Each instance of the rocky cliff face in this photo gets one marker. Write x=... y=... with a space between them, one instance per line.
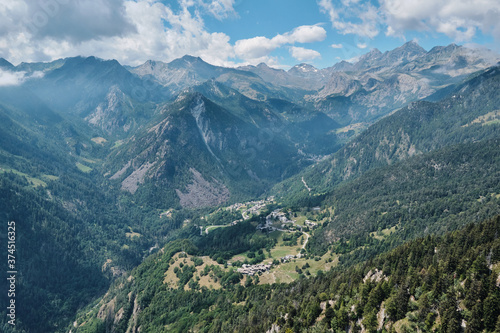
x=380 y=83
x=199 y=154
x=114 y=114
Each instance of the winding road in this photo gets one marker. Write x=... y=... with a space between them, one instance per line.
x=307 y=239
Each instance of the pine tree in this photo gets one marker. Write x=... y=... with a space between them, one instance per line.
x=450 y=318
x=370 y=321
x=475 y=323
x=497 y=327
x=491 y=309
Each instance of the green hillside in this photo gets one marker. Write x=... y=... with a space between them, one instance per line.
x=428 y=284
x=418 y=128
x=426 y=194
x=187 y=197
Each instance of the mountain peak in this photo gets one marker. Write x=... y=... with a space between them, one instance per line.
x=90 y=60
x=303 y=67
x=406 y=52
x=412 y=47
x=342 y=66
x=190 y=61
x=372 y=55
x=4 y=63
x=445 y=49
x=152 y=64
x=190 y=58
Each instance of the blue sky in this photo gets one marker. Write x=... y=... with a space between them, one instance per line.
x=281 y=33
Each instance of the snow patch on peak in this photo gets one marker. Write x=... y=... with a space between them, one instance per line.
x=306 y=68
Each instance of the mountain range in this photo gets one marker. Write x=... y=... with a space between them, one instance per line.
x=109 y=164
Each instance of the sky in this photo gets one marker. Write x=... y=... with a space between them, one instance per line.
x=280 y=33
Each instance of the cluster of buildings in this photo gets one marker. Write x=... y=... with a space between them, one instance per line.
x=235 y=206
x=255 y=206
x=254 y=269
x=279 y=215
x=167 y=214
x=310 y=224
x=288 y=258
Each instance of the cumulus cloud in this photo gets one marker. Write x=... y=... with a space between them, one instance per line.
x=306 y=34
x=337 y=46
x=66 y=20
x=354 y=17
x=9 y=78
x=459 y=20
x=131 y=31
x=253 y=49
x=220 y=9
x=303 y=54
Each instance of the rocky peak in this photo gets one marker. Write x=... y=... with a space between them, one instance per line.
x=406 y=52
x=188 y=61
x=368 y=59
x=411 y=48
x=190 y=58
x=151 y=64
x=444 y=49
x=303 y=68
x=372 y=55
x=5 y=64
x=341 y=66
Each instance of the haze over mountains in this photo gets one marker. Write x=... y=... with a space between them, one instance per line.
x=297 y=112
x=108 y=163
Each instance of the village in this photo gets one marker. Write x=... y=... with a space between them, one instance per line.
x=254 y=269
x=276 y=221
x=284 y=261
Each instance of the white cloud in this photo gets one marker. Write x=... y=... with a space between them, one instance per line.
x=64 y=19
x=253 y=49
x=270 y=61
x=459 y=20
x=353 y=60
x=302 y=54
x=326 y=6
x=159 y=32
x=307 y=34
x=132 y=31
x=8 y=78
x=362 y=45
x=353 y=17
x=220 y=9
x=337 y=46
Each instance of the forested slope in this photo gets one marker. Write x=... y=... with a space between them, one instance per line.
x=430 y=284
x=425 y=194
x=467 y=114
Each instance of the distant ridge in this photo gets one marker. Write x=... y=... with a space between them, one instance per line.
x=5 y=64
